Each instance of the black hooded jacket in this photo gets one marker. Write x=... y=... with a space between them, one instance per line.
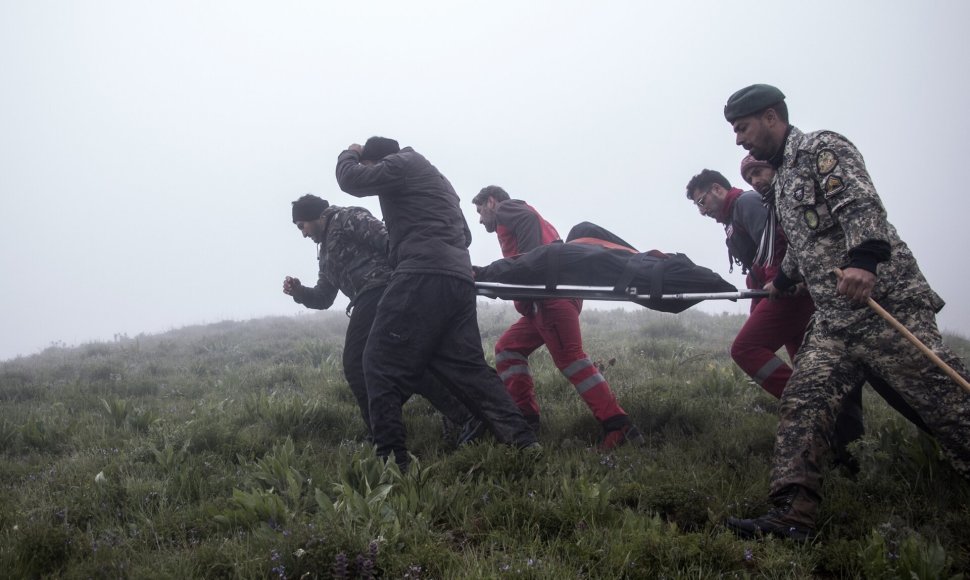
x=427 y=229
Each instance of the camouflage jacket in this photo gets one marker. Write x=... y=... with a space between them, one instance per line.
x=353 y=257
x=827 y=205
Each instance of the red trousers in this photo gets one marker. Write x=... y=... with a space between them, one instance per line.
x=554 y=323
x=772 y=325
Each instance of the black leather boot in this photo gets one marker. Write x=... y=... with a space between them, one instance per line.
x=792 y=517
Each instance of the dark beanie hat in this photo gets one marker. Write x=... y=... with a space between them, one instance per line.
x=750 y=100
x=378 y=148
x=308 y=208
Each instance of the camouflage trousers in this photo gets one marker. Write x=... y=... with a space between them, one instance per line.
x=831 y=362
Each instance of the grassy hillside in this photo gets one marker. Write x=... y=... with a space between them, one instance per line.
x=235 y=450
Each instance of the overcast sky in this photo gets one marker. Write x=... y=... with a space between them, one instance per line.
x=149 y=150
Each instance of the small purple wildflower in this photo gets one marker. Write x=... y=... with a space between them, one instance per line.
x=340 y=566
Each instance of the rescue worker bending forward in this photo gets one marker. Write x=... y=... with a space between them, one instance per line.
x=555 y=323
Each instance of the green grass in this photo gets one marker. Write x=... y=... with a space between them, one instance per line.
x=235 y=450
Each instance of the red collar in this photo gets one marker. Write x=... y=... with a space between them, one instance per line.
x=728 y=207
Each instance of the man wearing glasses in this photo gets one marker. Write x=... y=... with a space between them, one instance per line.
x=773 y=324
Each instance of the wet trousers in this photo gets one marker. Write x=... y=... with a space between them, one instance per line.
x=428 y=322
x=773 y=324
x=554 y=323
x=831 y=362
x=358 y=330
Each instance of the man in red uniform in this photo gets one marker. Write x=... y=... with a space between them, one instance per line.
x=554 y=323
x=773 y=323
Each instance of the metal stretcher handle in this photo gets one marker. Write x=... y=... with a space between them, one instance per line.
x=499 y=290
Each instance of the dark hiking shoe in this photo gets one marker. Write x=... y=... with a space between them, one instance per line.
x=792 y=517
x=848 y=469
x=533 y=450
x=846 y=463
x=770 y=524
x=625 y=435
x=449 y=430
x=471 y=431
x=533 y=421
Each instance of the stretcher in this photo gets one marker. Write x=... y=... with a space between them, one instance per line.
x=667 y=282
x=536 y=292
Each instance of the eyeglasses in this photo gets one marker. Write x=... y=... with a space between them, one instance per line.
x=702 y=200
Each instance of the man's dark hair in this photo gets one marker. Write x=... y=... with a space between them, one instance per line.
x=308 y=208
x=377 y=148
x=704 y=180
x=492 y=191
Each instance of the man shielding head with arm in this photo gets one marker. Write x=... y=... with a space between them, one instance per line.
x=427 y=319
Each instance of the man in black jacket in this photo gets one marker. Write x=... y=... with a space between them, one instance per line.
x=427 y=319
x=352 y=252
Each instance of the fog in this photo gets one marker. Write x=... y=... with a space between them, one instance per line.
x=149 y=151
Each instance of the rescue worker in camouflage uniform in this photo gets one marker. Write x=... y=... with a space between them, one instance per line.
x=352 y=252
x=832 y=216
x=428 y=317
x=554 y=323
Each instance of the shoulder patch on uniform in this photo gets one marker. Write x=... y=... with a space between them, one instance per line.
x=811 y=218
x=833 y=184
x=799 y=194
x=826 y=160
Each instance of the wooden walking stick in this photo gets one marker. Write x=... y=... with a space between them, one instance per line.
x=912 y=338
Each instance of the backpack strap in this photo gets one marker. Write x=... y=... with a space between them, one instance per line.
x=629 y=272
x=657 y=282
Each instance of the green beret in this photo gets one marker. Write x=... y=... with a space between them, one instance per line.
x=750 y=100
